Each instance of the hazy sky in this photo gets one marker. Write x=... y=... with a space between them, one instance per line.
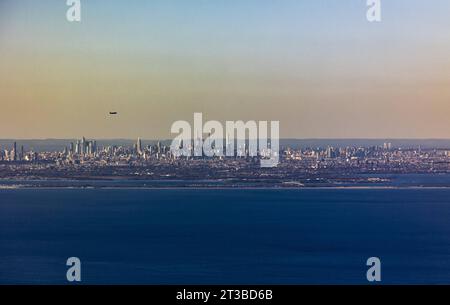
x=317 y=66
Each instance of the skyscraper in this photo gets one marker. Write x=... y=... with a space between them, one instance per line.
x=14 y=154
x=139 y=146
x=77 y=147
x=83 y=146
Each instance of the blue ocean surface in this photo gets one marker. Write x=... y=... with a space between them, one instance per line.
x=225 y=236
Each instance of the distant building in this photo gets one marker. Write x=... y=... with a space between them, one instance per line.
x=387 y=146
x=139 y=146
x=14 y=152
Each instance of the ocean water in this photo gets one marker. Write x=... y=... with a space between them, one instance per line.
x=225 y=236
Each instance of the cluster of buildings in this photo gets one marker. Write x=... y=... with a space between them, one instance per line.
x=16 y=155
x=87 y=151
x=382 y=158
x=84 y=150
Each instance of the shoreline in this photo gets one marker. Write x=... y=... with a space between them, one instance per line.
x=226 y=188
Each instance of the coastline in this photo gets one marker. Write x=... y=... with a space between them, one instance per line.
x=358 y=182
x=225 y=188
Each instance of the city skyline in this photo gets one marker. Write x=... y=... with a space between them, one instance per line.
x=318 y=67
x=87 y=163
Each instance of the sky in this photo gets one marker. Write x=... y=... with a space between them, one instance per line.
x=317 y=66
